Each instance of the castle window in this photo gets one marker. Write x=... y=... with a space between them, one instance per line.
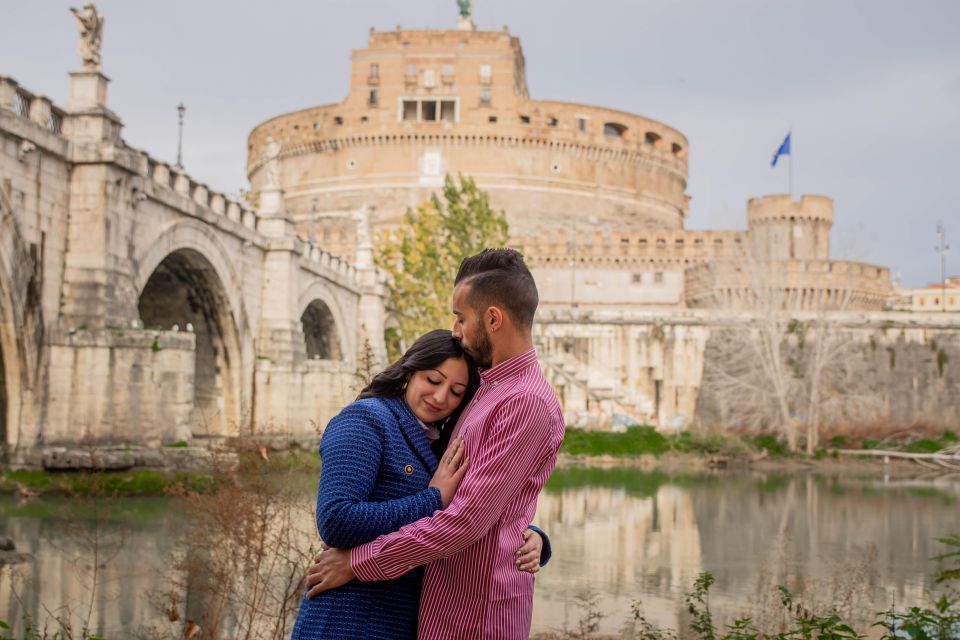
x=661 y=243
x=637 y=278
x=364 y=119
x=410 y=110
x=698 y=242
x=551 y=121
x=338 y=120
x=428 y=110
x=492 y=119
x=624 y=240
x=485 y=96
x=524 y=119
x=448 y=73
x=410 y=75
x=614 y=130
x=374 y=71
x=448 y=110
x=678 y=243
x=658 y=277
x=429 y=78
x=642 y=243
x=486 y=73
x=374 y=98
x=651 y=138
x=582 y=124
x=677 y=150
x=718 y=243
x=316 y=126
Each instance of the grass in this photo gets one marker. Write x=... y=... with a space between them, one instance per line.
x=142 y=482
x=636 y=440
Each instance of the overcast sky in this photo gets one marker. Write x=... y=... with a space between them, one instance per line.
x=870 y=87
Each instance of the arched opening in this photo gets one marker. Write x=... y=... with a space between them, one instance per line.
x=652 y=138
x=614 y=130
x=320 y=332
x=185 y=291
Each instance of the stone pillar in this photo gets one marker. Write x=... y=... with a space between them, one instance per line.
x=373 y=293
x=281 y=337
x=90 y=275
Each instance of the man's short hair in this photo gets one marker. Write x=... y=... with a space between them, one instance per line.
x=500 y=278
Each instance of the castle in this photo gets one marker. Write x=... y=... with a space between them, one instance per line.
x=595 y=198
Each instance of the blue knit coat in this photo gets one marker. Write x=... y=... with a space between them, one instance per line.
x=376 y=465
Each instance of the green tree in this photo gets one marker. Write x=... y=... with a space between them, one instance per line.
x=422 y=256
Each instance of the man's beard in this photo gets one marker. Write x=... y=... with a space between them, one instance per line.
x=482 y=351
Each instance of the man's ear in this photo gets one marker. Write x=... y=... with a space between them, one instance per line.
x=494 y=318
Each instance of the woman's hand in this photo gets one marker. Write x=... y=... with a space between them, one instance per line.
x=528 y=556
x=450 y=471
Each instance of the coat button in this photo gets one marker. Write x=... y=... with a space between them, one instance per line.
x=408 y=469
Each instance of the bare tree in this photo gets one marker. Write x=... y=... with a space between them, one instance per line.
x=782 y=361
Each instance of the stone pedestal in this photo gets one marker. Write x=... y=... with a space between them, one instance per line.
x=89 y=119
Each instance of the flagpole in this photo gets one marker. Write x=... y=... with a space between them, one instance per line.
x=790 y=164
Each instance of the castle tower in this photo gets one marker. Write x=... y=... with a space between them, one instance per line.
x=426 y=103
x=783 y=229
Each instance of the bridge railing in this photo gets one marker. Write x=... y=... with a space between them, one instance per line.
x=26 y=104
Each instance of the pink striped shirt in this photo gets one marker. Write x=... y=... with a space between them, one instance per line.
x=472 y=589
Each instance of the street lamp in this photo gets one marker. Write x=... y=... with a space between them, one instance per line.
x=180 y=111
x=942 y=248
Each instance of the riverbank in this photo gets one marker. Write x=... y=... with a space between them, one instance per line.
x=640 y=447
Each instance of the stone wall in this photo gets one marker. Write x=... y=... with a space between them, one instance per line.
x=612 y=366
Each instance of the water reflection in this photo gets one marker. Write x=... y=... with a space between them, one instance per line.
x=626 y=534
x=632 y=535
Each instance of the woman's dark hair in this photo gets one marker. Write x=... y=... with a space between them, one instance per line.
x=428 y=352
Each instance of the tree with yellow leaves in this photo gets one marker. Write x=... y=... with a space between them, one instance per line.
x=423 y=255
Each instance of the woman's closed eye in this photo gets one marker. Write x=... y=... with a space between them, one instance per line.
x=432 y=381
x=457 y=394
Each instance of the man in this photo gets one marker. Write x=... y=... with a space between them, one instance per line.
x=512 y=430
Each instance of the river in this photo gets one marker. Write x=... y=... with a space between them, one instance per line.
x=619 y=535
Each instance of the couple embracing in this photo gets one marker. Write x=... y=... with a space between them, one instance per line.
x=430 y=479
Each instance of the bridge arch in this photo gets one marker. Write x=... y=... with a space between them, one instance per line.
x=323 y=321
x=186 y=279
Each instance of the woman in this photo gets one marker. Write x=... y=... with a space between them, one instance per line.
x=378 y=456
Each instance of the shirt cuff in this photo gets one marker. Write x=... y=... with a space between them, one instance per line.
x=364 y=565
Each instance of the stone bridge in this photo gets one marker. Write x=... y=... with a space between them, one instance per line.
x=139 y=307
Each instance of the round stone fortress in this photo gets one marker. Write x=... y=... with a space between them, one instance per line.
x=595 y=198
x=425 y=103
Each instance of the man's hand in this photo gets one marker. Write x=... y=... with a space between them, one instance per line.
x=330 y=569
x=528 y=556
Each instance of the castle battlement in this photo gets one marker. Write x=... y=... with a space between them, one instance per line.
x=681 y=247
x=796 y=284
x=784 y=207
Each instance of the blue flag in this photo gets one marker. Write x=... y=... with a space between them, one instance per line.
x=784 y=150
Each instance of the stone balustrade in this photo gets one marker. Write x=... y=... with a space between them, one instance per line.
x=28 y=105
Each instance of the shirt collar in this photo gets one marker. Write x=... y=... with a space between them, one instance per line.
x=509 y=367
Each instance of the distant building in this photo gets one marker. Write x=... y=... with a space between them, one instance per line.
x=937 y=296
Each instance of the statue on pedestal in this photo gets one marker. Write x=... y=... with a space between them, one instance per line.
x=271 y=164
x=91 y=35
x=464 y=9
